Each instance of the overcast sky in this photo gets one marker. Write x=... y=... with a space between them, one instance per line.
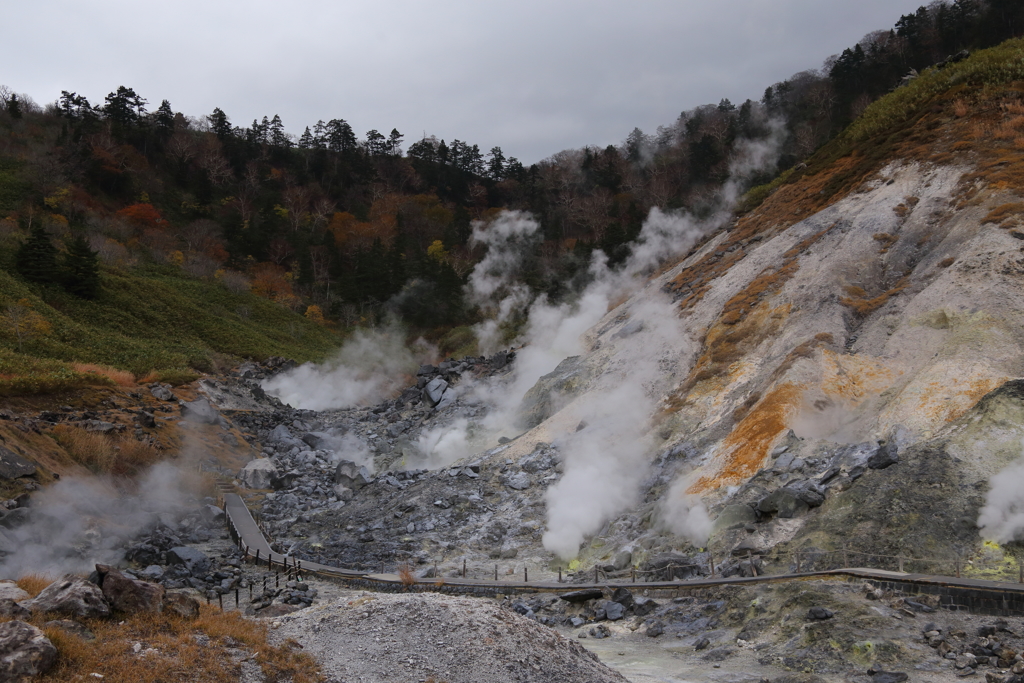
x=532 y=76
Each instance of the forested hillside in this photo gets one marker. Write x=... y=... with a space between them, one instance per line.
x=343 y=229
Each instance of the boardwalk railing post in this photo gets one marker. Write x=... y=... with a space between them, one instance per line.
x=463 y=567
x=900 y=560
x=796 y=554
x=526 y=576
x=560 y=574
x=495 y=572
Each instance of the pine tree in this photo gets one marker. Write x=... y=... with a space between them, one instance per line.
x=81 y=269
x=36 y=259
x=14 y=107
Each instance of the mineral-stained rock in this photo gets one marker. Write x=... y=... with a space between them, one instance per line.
x=71 y=595
x=25 y=652
x=129 y=595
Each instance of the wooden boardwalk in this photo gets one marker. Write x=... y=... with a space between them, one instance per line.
x=988 y=597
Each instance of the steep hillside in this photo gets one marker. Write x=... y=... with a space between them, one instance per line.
x=874 y=297
x=830 y=378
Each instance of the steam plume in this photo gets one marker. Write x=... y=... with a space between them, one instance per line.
x=1002 y=517
x=79 y=522
x=370 y=366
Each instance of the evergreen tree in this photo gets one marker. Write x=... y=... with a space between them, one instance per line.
x=36 y=259
x=14 y=107
x=80 y=269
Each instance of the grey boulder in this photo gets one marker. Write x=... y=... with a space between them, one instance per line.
x=193 y=560
x=71 y=595
x=435 y=389
x=200 y=411
x=352 y=476
x=25 y=652
x=258 y=474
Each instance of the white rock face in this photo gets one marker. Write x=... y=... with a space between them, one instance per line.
x=258 y=474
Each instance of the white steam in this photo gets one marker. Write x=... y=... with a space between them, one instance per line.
x=606 y=461
x=1002 y=517
x=351 y=448
x=79 y=522
x=685 y=515
x=444 y=445
x=495 y=284
x=371 y=366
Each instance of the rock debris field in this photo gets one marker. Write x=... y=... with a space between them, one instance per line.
x=368 y=637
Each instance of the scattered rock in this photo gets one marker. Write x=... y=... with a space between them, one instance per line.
x=161 y=392
x=193 y=560
x=200 y=411
x=820 y=613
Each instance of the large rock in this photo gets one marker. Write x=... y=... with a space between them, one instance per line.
x=258 y=474
x=784 y=503
x=25 y=652
x=351 y=475
x=435 y=389
x=734 y=517
x=182 y=604
x=161 y=392
x=614 y=610
x=884 y=457
x=200 y=411
x=520 y=481
x=193 y=560
x=582 y=595
x=129 y=595
x=9 y=608
x=13 y=466
x=71 y=595
x=11 y=591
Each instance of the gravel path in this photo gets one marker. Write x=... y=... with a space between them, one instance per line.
x=361 y=637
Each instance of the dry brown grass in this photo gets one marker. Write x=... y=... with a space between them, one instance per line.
x=960 y=108
x=863 y=305
x=33 y=584
x=171 y=653
x=1004 y=211
x=121 y=378
x=885 y=239
x=406 y=576
x=117 y=455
